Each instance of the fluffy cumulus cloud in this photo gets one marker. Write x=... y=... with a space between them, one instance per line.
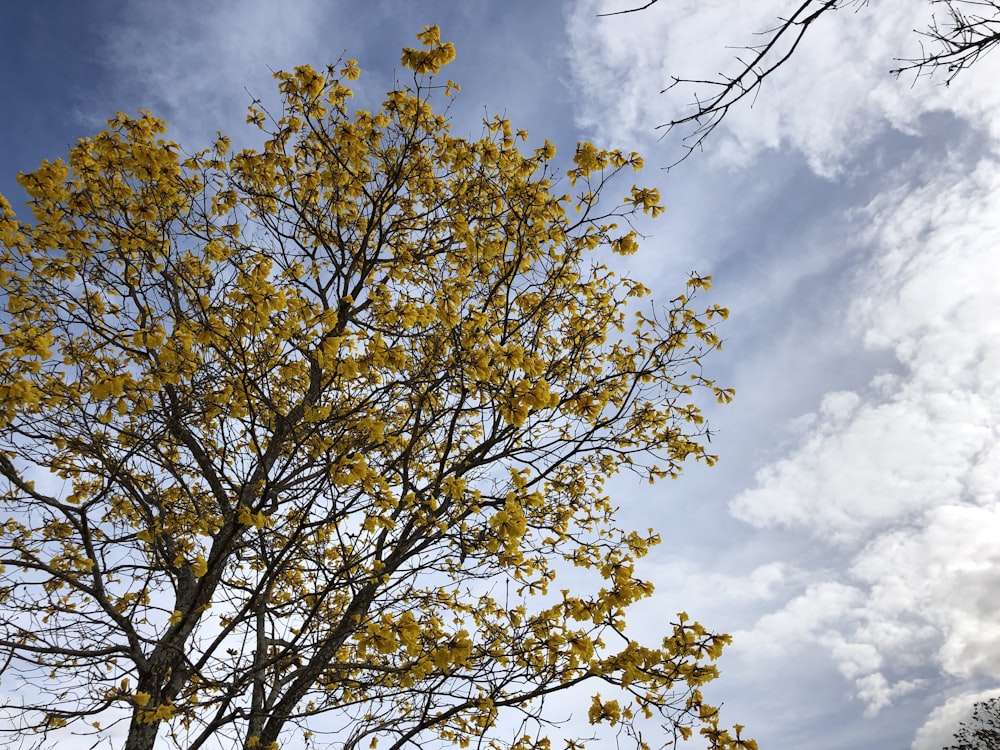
x=855 y=468
x=910 y=600
x=899 y=480
x=833 y=98
x=924 y=435
x=945 y=574
x=904 y=477
x=939 y=729
x=805 y=618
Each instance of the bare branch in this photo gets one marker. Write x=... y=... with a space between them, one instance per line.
x=970 y=30
x=781 y=43
x=959 y=41
x=629 y=10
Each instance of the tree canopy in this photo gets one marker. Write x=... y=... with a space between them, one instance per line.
x=982 y=732
x=294 y=441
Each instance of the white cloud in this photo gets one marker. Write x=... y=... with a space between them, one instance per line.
x=842 y=621
x=927 y=436
x=916 y=600
x=856 y=660
x=829 y=101
x=766 y=579
x=886 y=463
x=877 y=693
x=939 y=729
x=803 y=620
x=622 y=62
x=946 y=575
x=904 y=478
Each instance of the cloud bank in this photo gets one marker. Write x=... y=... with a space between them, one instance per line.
x=898 y=481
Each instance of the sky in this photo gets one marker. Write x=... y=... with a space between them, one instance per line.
x=849 y=537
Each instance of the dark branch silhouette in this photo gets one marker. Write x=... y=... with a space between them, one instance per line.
x=983 y=731
x=957 y=42
x=967 y=31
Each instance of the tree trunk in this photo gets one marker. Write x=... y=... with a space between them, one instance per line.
x=141 y=736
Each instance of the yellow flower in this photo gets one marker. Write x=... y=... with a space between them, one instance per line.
x=200 y=566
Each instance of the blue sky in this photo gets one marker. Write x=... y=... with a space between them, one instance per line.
x=849 y=538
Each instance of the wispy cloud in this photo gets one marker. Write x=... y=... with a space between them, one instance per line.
x=194 y=63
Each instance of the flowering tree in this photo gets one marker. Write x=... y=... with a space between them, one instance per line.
x=294 y=441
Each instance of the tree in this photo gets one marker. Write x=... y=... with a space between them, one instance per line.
x=969 y=30
x=295 y=441
x=983 y=732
